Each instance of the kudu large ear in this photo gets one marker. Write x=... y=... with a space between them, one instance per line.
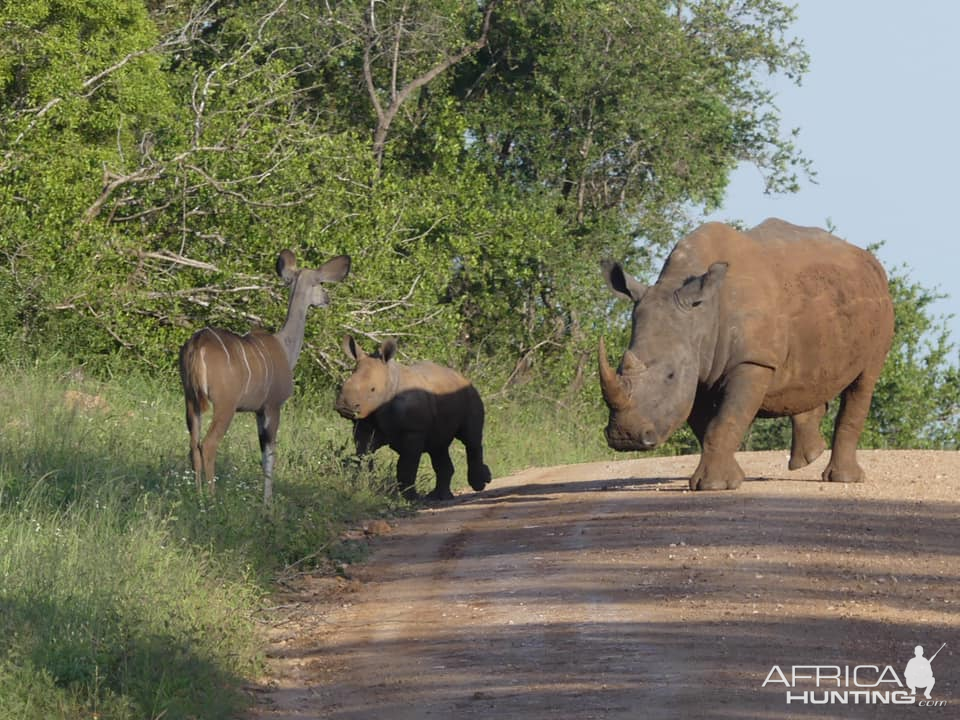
x=701 y=288
x=351 y=348
x=334 y=270
x=624 y=285
x=287 y=266
x=388 y=350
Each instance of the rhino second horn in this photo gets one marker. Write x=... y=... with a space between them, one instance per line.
x=610 y=383
x=631 y=363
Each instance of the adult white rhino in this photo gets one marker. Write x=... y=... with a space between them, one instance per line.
x=775 y=321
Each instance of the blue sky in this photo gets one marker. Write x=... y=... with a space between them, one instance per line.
x=879 y=116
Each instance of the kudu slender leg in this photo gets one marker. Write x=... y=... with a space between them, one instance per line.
x=194 y=420
x=268 y=422
x=222 y=416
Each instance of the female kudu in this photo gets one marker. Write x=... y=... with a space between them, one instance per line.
x=250 y=373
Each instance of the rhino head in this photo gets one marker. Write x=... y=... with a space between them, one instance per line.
x=372 y=384
x=672 y=344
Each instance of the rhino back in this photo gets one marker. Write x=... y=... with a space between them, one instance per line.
x=430 y=399
x=799 y=300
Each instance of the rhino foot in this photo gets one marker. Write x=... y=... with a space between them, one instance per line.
x=717 y=474
x=850 y=474
x=801 y=457
x=480 y=478
x=438 y=494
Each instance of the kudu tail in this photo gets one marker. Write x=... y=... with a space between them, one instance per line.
x=193 y=375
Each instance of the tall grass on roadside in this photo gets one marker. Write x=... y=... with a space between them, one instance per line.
x=123 y=593
x=104 y=614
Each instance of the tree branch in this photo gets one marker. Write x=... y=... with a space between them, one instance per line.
x=386 y=116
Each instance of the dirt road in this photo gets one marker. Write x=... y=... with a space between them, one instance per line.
x=608 y=590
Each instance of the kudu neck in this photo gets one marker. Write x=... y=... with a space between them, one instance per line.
x=290 y=335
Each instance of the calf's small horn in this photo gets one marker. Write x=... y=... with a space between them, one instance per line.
x=610 y=384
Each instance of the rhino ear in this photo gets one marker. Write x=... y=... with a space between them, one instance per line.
x=701 y=288
x=624 y=285
x=351 y=348
x=388 y=350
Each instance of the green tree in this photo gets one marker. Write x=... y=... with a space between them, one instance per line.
x=917 y=400
x=476 y=160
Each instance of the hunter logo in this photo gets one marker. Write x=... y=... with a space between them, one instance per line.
x=859 y=684
x=919 y=673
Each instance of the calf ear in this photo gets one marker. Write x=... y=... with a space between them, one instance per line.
x=351 y=348
x=622 y=284
x=701 y=288
x=388 y=350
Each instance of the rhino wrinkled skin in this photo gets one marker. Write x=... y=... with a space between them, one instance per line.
x=775 y=321
x=414 y=409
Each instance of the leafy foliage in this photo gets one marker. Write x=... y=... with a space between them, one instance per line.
x=476 y=160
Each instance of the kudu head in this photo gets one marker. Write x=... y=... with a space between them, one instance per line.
x=306 y=290
x=306 y=284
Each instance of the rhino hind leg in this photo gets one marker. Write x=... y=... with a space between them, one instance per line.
x=471 y=435
x=479 y=476
x=808 y=443
x=854 y=406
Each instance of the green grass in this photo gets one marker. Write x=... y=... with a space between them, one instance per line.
x=126 y=594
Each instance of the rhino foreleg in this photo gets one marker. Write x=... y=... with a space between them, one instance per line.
x=443 y=468
x=407 y=465
x=807 y=443
x=742 y=395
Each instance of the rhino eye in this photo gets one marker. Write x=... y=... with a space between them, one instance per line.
x=670 y=375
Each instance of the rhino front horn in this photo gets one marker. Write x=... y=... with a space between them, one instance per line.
x=613 y=391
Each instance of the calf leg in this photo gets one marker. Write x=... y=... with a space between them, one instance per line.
x=410 y=450
x=443 y=467
x=742 y=396
x=478 y=474
x=807 y=442
x=471 y=435
x=268 y=422
x=854 y=406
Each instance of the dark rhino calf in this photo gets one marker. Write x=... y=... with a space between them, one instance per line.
x=776 y=321
x=415 y=410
